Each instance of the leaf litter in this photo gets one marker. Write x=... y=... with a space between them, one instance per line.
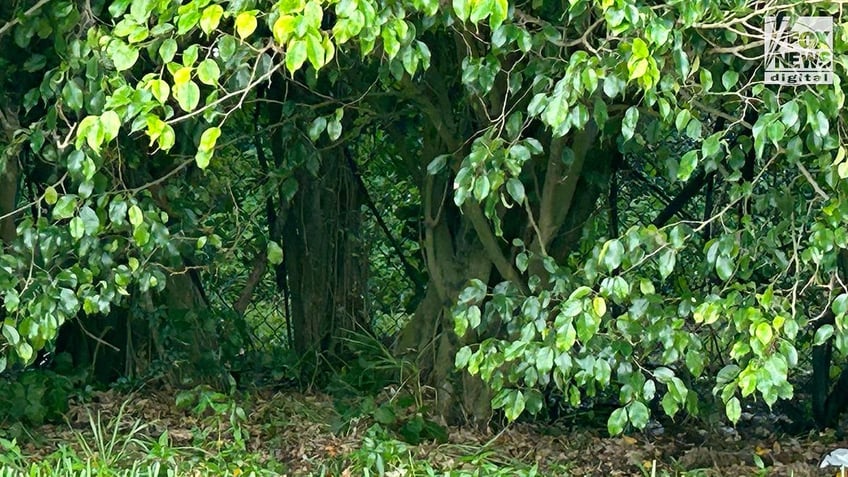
x=297 y=430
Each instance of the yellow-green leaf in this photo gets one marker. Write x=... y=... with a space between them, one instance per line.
x=245 y=24
x=182 y=76
x=315 y=51
x=160 y=89
x=123 y=56
x=313 y=14
x=208 y=72
x=111 y=124
x=187 y=95
x=167 y=50
x=295 y=55
x=210 y=18
x=283 y=29
x=329 y=49
x=209 y=138
x=599 y=305
x=50 y=195
x=167 y=138
x=499 y=12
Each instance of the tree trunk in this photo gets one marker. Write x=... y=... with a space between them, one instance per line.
x=324 y=257
x=9 y=180
x=453 y=258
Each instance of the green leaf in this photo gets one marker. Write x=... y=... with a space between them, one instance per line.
x=515 y=189
x=639 y=414
x=245 y=24
x=141 y=9
x=706 y=79
x=789 y=114
x=118 y=7
x=823 y=334
x=167 y=138
x=24 y=350
x=775 y=131
x=482 y=187
x=617 y=421
x=226 y=47
x=187 y=95
x=613 y=85
x=275 y=253
x=90 y=221
x=639 y=48
x=729 y=79
x=822 y=126
x=209 y=138
x=763 y=332
x=500 y=9
x=65 y=207
x=76 y=228
x=203 y=158
x=73 y=96
x=334 y=129
x=50 y=195
x=544 y=360
x=317 y=127
x=666 y=262
x=612 y=254
x=208 y=72
x=436 y=165
x=628 y=124
x=313 y=14
x=135 y=215
x=11 y=334
x=481 y=9
x=693 y=129
x=160 y=89
x=711 y=145
x=462 y=9
x=475 y=292
x=123 y=56
x=296 y=55
x=688 y=163
x=724 y=267
x=638 y=68
x=515 y=406
x=110 y=124
x=733 y=409
x=314 y=51
x=390 y=43
x=599 y=305
x=210 y=18
x=167 y=50
x=682 y=119
x=462 y=357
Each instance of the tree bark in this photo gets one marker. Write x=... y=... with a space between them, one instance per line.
x=9 y=178
x=324 y=257
x=9 y=181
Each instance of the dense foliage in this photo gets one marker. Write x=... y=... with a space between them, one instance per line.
x=606 y=198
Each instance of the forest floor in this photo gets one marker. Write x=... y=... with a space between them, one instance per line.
x=286 y=433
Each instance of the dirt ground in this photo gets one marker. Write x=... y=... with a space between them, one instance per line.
x=297 y=429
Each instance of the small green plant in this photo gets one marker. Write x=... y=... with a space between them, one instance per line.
x=10 y=453
x=380 y=454
x=220 y=411
x=111 y=443
x=35 y=396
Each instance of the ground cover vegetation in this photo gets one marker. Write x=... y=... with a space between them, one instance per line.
x=472 y=213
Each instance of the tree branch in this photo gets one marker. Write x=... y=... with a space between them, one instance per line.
x=558 y=193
